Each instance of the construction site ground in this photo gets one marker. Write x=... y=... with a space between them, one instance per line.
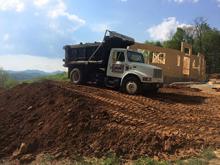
x=209 y=88
x=65 y=119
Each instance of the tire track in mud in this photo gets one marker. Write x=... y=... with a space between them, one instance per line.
x=150 y=114
x=127 y=112
x=116 y=112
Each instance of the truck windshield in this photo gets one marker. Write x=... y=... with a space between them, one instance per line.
x=135 y=57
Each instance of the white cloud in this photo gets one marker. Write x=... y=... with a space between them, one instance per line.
x=14 y=5
x=124 y=0
x=54 y=9
x=60 y=10
x=5 y=42
x=41 y=3
x=100 y=28
x=165 y=29
x=218 y=2
x=6 y=37
x=24 y=62
x=182 y=1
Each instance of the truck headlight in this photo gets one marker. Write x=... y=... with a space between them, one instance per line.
x=147 y=78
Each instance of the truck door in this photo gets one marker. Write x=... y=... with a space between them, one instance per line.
x=116 y=65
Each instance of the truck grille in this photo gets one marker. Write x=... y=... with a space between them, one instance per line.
x=157 y=73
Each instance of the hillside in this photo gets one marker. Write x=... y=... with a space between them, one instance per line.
x=65 y=119
x=29 y=74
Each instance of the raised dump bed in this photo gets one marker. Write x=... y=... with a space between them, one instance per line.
x=98 y=51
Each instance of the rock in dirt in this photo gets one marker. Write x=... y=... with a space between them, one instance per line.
x=22 y=150
x=29 y=108
x=25 y=159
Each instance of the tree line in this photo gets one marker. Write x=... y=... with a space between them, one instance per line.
x=204 y=39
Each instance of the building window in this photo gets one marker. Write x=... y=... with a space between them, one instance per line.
x=159 y=58
x=178 y=60
x=195 y=64
x=187 y=52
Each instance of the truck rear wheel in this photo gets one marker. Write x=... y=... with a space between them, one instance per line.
x=76 y=76
x=131 y=85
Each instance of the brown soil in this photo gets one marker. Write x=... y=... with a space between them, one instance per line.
x=63 y=118
x=214 y=76
x=184 y=87
x=1 y=89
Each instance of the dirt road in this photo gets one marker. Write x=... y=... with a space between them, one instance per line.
x=54 y=117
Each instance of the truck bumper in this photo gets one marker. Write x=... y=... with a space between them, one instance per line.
x=149 y=86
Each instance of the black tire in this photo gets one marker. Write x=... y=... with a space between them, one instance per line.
x=131 y=85
x=76 y=76
x=154 y=90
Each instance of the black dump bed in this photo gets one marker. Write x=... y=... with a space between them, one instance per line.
x=98 y=51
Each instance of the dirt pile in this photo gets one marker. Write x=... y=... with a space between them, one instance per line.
x=64 y=119
x=1 y=89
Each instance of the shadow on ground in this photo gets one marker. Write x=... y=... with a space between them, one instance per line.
x=176 y=98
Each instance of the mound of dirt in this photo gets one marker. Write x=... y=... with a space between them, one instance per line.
x=1 y=89
x=64 y=119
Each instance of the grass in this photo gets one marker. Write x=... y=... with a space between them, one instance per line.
x=149 y=161
x=203 y=159
x=47 y=159
x=8 y=82
x=113 y=159
x=57 y=77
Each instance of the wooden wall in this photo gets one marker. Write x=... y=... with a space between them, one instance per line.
x=177 y=65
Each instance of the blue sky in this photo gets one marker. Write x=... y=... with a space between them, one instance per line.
x=32 y=33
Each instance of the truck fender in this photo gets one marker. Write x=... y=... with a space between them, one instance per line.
x=137 y=74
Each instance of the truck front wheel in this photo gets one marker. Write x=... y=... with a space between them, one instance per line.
x=76 y=76
x=131 y=85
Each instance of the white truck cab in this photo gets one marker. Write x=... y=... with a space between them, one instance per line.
x=132 y=71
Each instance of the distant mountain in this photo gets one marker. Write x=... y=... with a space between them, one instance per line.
x=29 y=74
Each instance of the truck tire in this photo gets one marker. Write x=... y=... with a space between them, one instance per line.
x=131 y=85
x=154 y=90
x=76 y=76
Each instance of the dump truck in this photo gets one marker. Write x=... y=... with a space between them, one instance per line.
x=111 y=63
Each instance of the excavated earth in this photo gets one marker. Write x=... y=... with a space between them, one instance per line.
x=65 y=119
x=1 y=89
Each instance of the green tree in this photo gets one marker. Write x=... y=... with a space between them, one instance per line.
x=206 y=41
x=155 y=43
x=175 y=42
x=5 y=80
x=201 y=28
x=211 y=49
